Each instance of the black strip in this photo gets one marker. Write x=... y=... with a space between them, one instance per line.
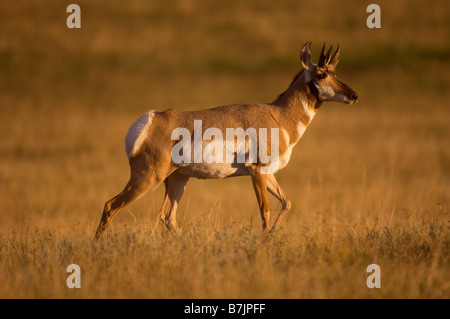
x=229 y=308
x=313 y=89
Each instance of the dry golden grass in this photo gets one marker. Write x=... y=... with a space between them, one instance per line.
x=369 y=183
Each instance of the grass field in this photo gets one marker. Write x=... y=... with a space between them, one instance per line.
x=370 y=183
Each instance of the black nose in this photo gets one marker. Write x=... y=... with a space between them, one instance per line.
x=354 y=97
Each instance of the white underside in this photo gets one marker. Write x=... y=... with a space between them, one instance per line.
x=214 y=170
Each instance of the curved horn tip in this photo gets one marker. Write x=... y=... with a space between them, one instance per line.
x=335 y=58
x=306 y=47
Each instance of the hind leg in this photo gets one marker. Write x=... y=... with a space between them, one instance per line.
x=175 y=186
x=132 y=191
x=142 y=180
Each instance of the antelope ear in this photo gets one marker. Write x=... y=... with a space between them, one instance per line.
x=305 y=56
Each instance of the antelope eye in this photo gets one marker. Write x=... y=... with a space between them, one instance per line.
x=321 y=76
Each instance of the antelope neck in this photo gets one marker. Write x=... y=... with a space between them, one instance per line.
x=314 y=92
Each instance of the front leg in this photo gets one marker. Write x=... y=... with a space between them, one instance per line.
x=274 y=188
x=260 y=186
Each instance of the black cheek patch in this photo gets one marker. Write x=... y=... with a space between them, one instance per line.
x=313 y=89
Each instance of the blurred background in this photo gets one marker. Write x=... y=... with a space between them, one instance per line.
x=68 y=97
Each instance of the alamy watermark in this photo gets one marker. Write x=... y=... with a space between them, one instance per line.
x=73 y=21
x=373 y=21
x=374 y=280
x=74 y=279
x=247 y=146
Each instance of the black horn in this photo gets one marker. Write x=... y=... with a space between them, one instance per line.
x=322 y=59
x=327 y=57
x=336 y=56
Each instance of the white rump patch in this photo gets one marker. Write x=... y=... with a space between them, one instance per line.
x=137 y=133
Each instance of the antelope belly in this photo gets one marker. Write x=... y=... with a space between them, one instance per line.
x=214 y=170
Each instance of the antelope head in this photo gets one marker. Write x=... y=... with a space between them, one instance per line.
x=321 y=77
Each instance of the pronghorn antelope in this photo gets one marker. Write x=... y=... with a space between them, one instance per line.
x=149 y=141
